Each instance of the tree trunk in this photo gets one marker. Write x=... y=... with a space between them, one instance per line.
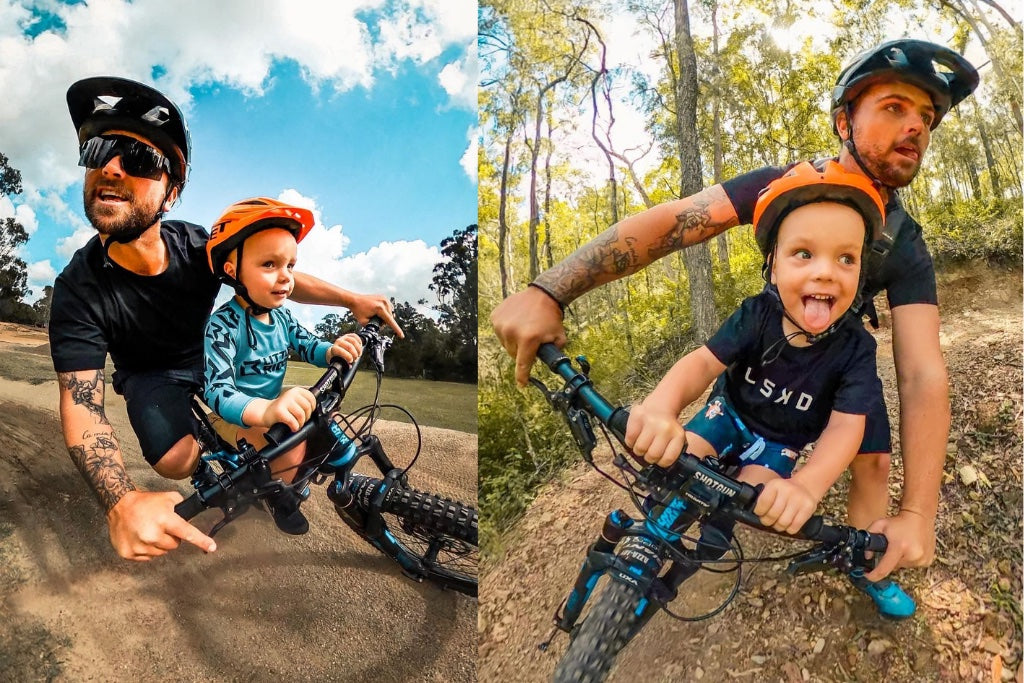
x=990 y=161
x=1012 y=89
x=697 y=258
x=503 y=250
x=548 y=258
x=722 y=241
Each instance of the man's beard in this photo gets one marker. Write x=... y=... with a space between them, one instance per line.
x=119 y=226
x=888 y=173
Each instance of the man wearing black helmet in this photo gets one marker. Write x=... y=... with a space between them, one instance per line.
x=895 y=93
x=141 y=290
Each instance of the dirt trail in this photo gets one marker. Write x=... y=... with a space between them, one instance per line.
x=264 y=606
x=816 y=628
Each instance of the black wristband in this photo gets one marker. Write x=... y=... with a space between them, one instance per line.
x=561 y=306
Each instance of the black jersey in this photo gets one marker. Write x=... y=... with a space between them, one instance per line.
x=907 y=274
x=790 y=398
x=145 y=322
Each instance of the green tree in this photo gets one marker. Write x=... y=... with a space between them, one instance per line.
x=13 y=270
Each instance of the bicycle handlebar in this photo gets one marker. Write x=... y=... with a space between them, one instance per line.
x=689 y=466
x=338 y=368
x=280 y=437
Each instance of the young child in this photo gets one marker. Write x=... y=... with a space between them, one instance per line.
x=252 y=248
x=789 y=363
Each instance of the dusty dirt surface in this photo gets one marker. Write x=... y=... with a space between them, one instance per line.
x=264 y=606
x=816 y=627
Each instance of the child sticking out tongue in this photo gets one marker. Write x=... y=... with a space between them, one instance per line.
x=817 y=312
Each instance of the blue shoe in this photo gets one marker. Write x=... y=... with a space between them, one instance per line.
x=889 y=598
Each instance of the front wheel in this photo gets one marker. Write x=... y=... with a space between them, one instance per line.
x=612 y=622
x=429 y=536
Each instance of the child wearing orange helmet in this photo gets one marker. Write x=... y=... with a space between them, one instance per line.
x=252 y=247
x=791 y=366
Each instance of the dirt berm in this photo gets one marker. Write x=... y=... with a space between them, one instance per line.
x=264 y=606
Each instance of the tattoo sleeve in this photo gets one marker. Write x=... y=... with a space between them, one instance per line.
x=638 y=241
x=607 y=254
x=90 y=439
x=692 y=227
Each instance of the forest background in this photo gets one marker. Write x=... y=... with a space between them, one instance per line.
x=592 y=111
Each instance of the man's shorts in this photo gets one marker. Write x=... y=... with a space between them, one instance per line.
x=877 y=435
x=159 y=407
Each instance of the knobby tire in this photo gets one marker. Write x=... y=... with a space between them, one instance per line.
x=609 y=626
x=439 y=532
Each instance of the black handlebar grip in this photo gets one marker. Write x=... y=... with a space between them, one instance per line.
x=747 y=517
x=617 y=422
x=377 y=321
x=812 y=528
x=277 y=433
x=190 y=507
x=877 y=543
x=549 y=354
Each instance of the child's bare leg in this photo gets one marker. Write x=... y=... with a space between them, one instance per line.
x=868 y=499
x=284 y=467
x=698 y=445
x=756 y=474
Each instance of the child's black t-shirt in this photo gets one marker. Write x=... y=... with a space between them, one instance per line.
x=790 y=399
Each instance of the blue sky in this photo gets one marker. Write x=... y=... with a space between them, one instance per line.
x=364 y=112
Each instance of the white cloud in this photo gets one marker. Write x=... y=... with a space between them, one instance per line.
x=469 y=158
x=194 y=42
x=419 y=30
x=22 y=213
x=67 y=246
x=459 y=78
x=40 y=274
x=401 y=269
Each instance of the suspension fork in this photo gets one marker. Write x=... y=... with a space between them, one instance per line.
x=600 y=556
x=372 y=447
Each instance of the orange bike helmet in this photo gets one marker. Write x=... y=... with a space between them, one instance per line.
x=804 y=184
x=243 y=219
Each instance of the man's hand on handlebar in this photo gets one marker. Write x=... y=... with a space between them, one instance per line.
x=522 y=323
x=143 y=525
x=365 y=306
x=655 y=435
x=911 y=539
x=347 y=347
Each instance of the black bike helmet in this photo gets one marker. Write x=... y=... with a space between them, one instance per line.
x=945 y=75
x=107 y=103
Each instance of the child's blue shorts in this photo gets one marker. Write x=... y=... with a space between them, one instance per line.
x=716 y=424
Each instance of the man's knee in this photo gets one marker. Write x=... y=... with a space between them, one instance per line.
x=870 y=467
x=180 y=461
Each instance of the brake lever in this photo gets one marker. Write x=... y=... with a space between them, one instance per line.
x=818 y=558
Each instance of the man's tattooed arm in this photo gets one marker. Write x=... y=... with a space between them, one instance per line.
x=638 y=241
x=90 y=438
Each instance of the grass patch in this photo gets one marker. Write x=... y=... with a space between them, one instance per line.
x=449 y=405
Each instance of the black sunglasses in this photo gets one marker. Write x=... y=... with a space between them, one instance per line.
x=137 y=158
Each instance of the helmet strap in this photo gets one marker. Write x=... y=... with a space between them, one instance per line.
x=852 y=148
x=772 y=352
x=134 y=235
x=252 y=308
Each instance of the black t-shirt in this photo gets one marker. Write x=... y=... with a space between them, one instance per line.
x=907 y=274
x=790 y=399
x=145 y=322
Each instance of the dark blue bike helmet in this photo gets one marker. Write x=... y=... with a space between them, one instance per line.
x=105 y=103
x=941 y=72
